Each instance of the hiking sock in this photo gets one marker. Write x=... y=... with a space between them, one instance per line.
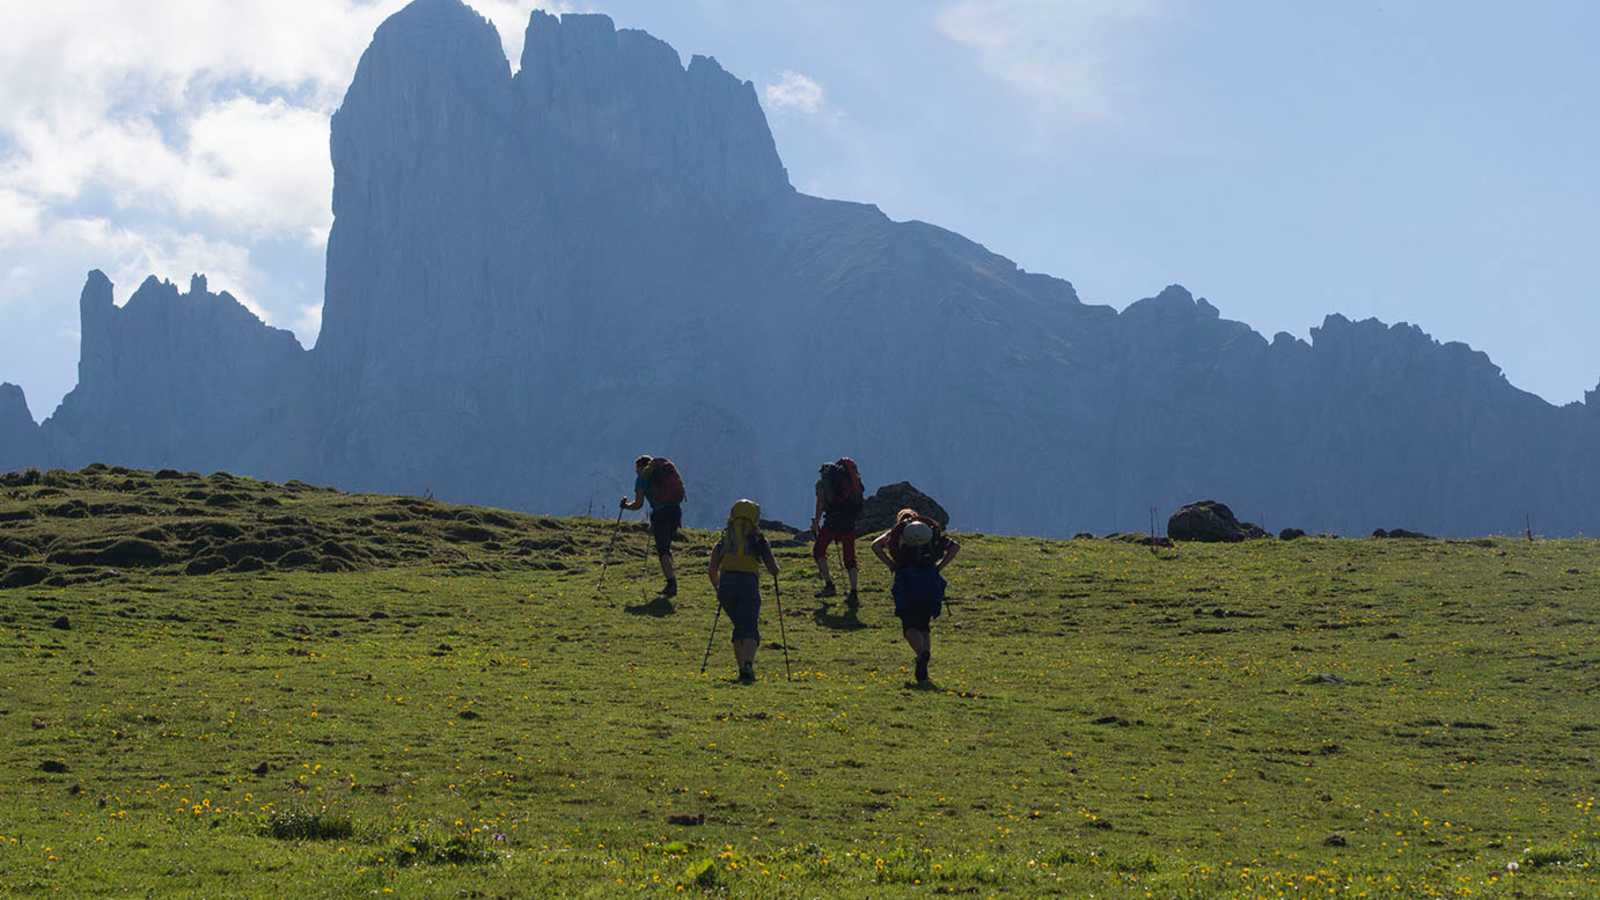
x=922 y=666
x=828 y=590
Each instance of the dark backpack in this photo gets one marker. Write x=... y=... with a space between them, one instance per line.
x=845 y=493
x=666 y=485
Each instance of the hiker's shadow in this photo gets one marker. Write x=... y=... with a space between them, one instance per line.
x=659 y=608
x=850 y=621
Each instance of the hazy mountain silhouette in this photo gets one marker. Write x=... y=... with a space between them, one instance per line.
x=534 y=277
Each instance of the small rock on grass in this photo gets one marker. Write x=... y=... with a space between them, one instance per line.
x=62 y=623
x=1335 y=840
x=1323 y=678
x=696 y=819
x=53 y=766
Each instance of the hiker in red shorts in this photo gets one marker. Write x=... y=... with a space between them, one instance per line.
x=840 y=497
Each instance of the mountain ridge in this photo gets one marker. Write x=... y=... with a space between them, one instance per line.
x=534 y=276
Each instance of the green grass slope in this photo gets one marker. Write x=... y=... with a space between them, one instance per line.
x=358 y=695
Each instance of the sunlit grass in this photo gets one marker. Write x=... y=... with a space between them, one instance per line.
x=1316 y=717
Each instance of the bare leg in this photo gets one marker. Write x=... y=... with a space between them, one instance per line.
x=854 y=574
x=667 y=568
x=744 y=651
x=822 y=569
x=922 y=643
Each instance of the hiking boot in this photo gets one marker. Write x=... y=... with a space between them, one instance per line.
x=922 y=668
x=851 y=600
x=747 y=673
x=670 y=591
x=828 y=590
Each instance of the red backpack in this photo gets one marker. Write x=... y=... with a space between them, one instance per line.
x=666 y=485
x=845 y=490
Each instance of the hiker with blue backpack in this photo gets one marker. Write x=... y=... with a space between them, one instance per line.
x=735 y=572
x=840 y=498
x=657 y=480
x=917 y=550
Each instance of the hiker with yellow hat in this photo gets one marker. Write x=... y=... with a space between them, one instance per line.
x=735 y=572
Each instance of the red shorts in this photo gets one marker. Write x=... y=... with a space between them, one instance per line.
x=847 y=544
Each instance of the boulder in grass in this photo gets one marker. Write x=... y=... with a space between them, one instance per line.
x=878 y=513
x=1291 y=534
x=1402 y=534
x=1211 y=522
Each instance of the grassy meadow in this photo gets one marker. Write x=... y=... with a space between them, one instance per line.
x=371 y=696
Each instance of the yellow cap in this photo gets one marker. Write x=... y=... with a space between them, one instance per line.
x=746 y=511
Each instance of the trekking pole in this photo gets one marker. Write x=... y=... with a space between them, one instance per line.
x=716 y=619
x=777 y=594
x=605 y=562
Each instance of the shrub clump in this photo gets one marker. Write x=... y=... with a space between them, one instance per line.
x=307 y=825
x=424 y=849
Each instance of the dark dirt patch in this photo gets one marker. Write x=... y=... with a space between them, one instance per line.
x=131 y=552
x=10 y=549
x=265 y=550
x=468 y=534
x=205 y=565
x=23 y=576
x=72 y=509
x=299 y=559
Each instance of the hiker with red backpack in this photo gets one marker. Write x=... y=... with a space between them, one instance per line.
x=840 y=498
x=659 y=482
x=917 y=550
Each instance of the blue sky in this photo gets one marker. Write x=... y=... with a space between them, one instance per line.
x=1431 y=163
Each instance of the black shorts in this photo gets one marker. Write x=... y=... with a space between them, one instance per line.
x=739 y=593
x=918 y=597
x=664 y=524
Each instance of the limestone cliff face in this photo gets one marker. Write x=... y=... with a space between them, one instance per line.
x=19 y=435
x=534 y=278
x=169 y=379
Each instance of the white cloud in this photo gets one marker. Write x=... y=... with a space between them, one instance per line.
x=795 y=92
x=19 y=216
x=224 y=124
x=308 y=325
x=128 y=256
x=1071 y=60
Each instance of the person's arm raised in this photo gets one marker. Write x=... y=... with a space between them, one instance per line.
x=880 y=548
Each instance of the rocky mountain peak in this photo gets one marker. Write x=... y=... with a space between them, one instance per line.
x=624 y=102
x=19 y=436
x=13 y=409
